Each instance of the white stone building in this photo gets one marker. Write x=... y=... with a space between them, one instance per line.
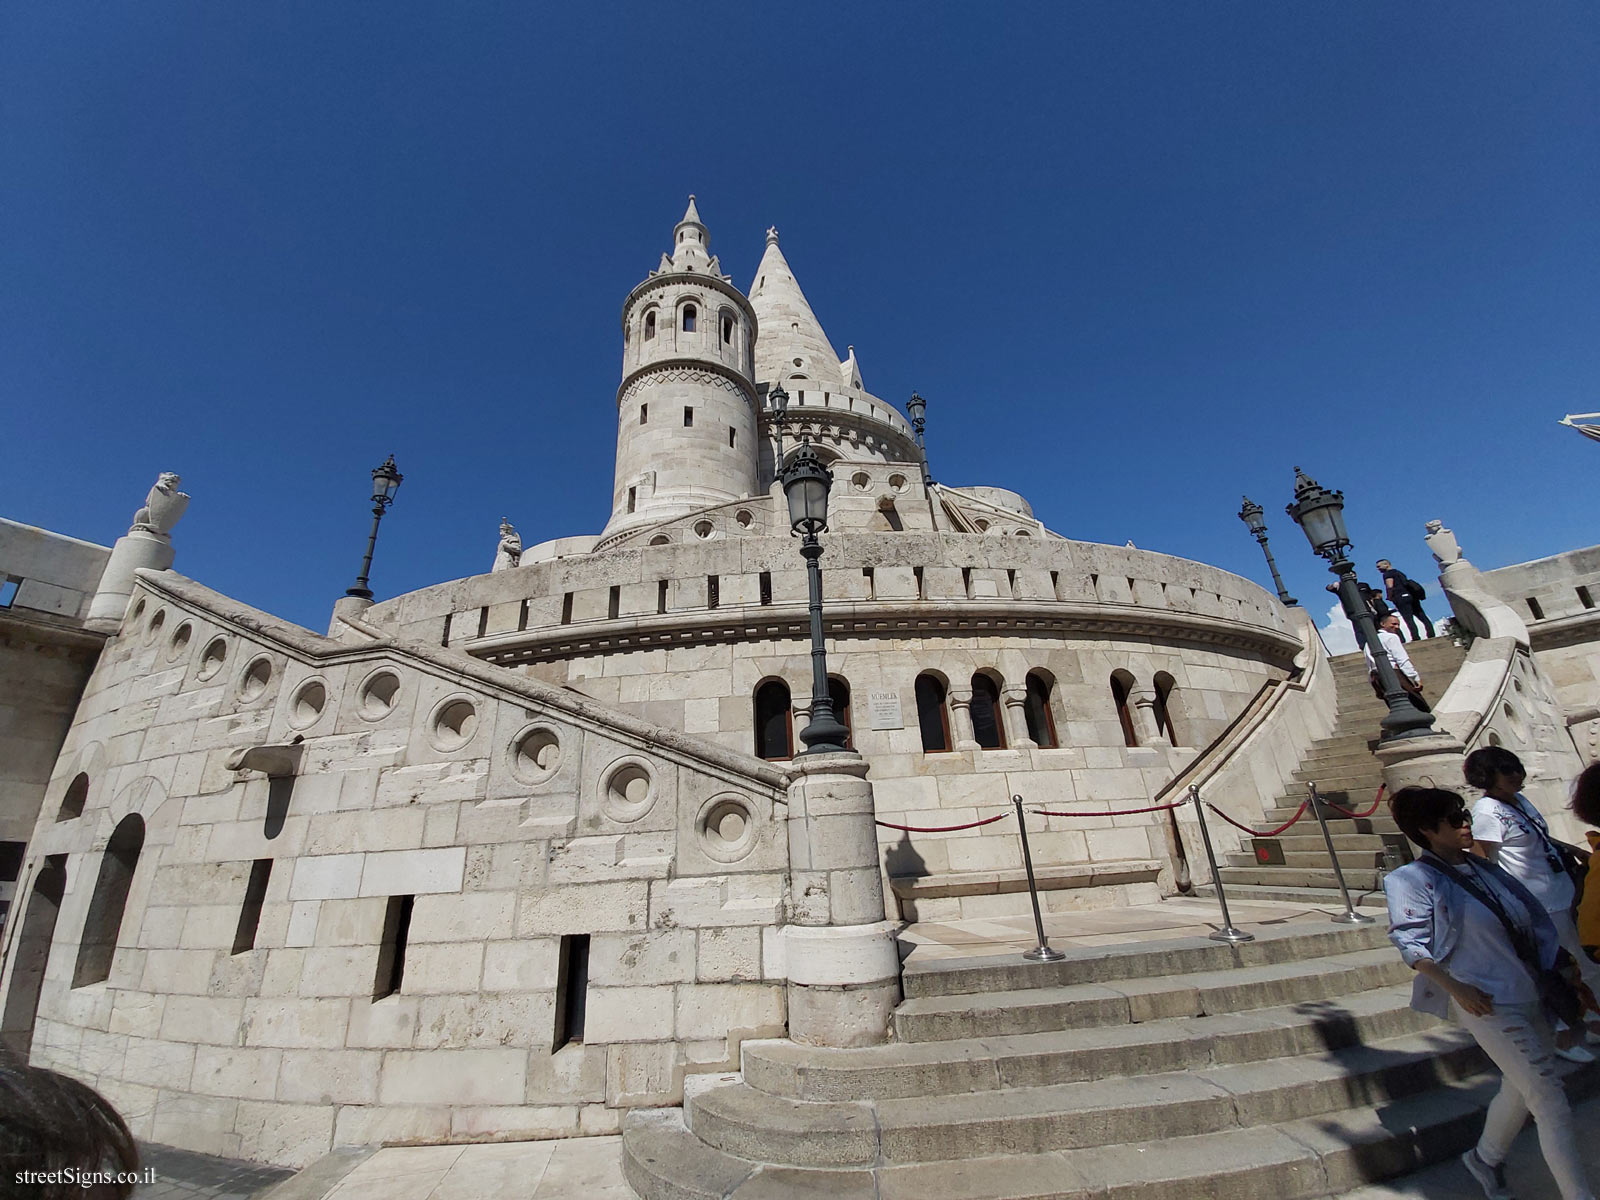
x=512 y=854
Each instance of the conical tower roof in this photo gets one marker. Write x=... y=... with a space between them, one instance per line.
x=786 y=328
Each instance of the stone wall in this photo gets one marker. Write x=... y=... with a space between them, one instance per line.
x=513 y=814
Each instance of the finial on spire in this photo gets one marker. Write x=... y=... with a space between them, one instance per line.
x=690 y=214
x=772 y=235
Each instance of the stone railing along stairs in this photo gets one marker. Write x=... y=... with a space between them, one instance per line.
x=1345 y=772
x=1288 y=1067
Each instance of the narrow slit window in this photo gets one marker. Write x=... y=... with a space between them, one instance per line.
x=614 y=602
x=766 y=587
x=917 y=574
x=444 y=634
x=522 y=617
x=1036 y=709
x=1535 y=609
x=566 y=608
x=1055 y=584
x=572 y=990
x=733 y=435
x=633 y=498
x=690 y=315
x=255 y=893
x=483 y=620
x=688 y=417
x=661 y=595
x=649 y=325
x=727 y=331
x=1584 y=598
x=392 y=950
x=871 y=581
x=713 y=591
x=644 y=414
x=966 y=581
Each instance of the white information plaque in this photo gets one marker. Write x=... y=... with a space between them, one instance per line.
x=883 y=710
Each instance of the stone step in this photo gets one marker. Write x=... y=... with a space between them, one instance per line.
x=1163 y=959
x=1296 y=1160
x=1342 y=840
x=1336 y=762
x=1202 y=993
x=741 y=1121
x=1321 y=897
x=1356 y=879
x=1364 y=859
x=906 y=1069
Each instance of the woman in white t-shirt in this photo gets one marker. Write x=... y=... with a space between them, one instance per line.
x=1510 y=832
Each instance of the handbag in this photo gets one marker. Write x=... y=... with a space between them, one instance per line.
x=1558 y=995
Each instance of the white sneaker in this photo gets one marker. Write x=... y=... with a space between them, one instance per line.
x=1575 y=1054
x=1491 y=1179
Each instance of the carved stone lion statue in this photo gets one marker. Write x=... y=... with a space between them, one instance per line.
x=509 y=553
x=163 y=507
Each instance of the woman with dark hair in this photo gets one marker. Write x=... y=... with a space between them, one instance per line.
x=1511 y=833
x=1586 y=807
x=63 y=1131
x=1469 y=930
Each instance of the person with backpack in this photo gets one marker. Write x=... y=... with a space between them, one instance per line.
x=1510 y=832
x=1407 y=595
x=1486 y=955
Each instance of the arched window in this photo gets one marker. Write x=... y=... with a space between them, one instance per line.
x=649 y=324
x=30 y=952
x=1041 y=721
x=1121 y=686
x=839 y=695
x=987 y=729
x=774 y=721
x=727 y=329
x=1164 y=684
x=72 y=802
x=689 y=314
x=932 y=715
x=98 y=945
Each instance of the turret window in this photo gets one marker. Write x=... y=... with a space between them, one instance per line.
x=644 y=414
x=649 y=325
x=688 y=417
x=727 y=330
x=689 y=314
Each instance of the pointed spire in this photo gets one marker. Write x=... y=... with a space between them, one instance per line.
x=691 y=244
x=850 y=370
x=691 y=215
x=786 y=327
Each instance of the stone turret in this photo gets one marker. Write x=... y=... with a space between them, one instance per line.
x=686 y=411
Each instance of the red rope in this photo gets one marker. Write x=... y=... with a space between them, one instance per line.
x=1117 y=812
x=943 y=828
x=1376 y=800
x=1299 y=812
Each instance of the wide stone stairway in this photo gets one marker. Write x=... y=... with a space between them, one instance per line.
x=1346 y=773
x=1291 y=1066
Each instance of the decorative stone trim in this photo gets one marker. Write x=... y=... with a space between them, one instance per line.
x=700 y=371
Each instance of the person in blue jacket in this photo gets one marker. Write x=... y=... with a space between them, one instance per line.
x=1451 y=915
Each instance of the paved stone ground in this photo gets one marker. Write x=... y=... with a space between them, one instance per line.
x=183 y=1175
x=575 y=1169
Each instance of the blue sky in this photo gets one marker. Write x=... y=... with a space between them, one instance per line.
x=1140 y=259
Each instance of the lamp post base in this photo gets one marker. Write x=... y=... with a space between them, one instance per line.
x=1232 y=936
x=1353 y=918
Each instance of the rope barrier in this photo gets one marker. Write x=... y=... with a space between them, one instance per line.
x=1299 y=812
x=943 y=828
x=1376 y=800
x=1116 y=812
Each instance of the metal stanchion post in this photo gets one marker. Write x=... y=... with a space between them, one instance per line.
x=1043 y=951
x=1228 y=932
x=1349 y=916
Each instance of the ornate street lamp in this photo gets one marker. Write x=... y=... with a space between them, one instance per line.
x=1250 y=514
x=917 y=407
x=805 y=484
x=385 y=483
x=780 y=420
x=1320 y=515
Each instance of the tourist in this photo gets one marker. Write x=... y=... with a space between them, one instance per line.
x=1586 y=806
x=1468 y=929
x=1407 y=596
x=1512 y=833
x=1374 y=603
x=1389 y=640
x=64 y=1131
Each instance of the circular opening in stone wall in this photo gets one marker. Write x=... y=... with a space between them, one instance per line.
x=897 y=482
x=138 y=609
x=704 y=529
x=180 y=641
x=378 y=694
x=726 y=828
x=309 y=701
x=156 y=622
x=535 y=755
x=745 y=518
x=454 y=723
x=216 y=653
x=660 y=539
x=255 y=679
x=628 y=791
x=861 y=481
x=1518 y=727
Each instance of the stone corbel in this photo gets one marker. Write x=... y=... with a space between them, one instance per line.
x=273 y=761
x=961 y=718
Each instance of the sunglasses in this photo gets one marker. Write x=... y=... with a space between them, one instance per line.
x=1459 y=818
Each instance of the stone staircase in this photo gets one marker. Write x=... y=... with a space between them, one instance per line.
x=1345 y=772
x=1288 y=1067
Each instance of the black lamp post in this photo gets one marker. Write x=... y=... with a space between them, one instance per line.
x=1250 y=514
x=805 y=484
x=1320 y=515
x=385 y=483
x=917 y=407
